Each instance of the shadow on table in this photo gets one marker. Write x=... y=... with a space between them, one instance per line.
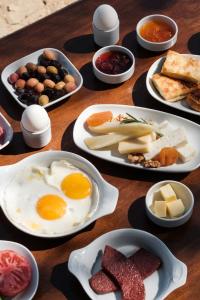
x=17 y=146
x=142 y=98
x=11 y=233
x=156 y=4
x=130 y=42
x=193 y=43
x=114 y=169
x=66 y=282
x=91 y=82
x=81 y=44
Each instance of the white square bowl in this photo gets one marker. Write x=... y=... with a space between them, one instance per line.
x=33 y=57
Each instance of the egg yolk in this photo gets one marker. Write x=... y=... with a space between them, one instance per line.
x=76 y=186
x=51 y=207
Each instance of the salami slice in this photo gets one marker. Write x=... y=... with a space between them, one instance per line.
x=102 y=284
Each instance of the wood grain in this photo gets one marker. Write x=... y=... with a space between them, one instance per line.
x=69 y=30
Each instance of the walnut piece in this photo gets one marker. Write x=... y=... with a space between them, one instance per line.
x=151 y=164
x=136 y=158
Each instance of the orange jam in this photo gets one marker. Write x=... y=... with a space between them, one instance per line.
x=156 y=31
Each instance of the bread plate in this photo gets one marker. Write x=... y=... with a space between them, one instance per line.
x=181 y=104
x=85 y=262
x=192 y=132
x=104 y=195
x=33 y=57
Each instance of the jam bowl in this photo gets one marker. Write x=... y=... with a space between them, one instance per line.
x=113 y=64
x=157 y=32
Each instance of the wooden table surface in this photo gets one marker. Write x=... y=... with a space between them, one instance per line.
x=70 y=31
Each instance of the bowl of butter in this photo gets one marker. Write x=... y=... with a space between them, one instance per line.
x=169 y=203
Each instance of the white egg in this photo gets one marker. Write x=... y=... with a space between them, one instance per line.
x=35 y=118
x=105 y=17
x=26 y=188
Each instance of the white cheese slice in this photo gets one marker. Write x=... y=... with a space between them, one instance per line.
x=133 y=146
x=186 y=152
x=147 y=138
x=167 y=193
x=160 y=209
x=164 y=128
x=175 y=208
x=174 y=138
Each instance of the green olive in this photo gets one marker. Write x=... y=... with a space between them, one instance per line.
x=49 y=83
x=43 y=100
x=60 y=85
x=52 y=69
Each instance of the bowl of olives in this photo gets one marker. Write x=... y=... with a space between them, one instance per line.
x=44 y=77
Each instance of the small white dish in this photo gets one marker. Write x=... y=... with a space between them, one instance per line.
x=182 y=192
x=33 y=57
x=85 y=262
x=107 y=194
x=192 y=132
x=116 y=78
x=8 y=131
x=30 y=291
x=157 y=46
x=156 y=68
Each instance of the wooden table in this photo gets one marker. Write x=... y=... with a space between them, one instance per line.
x=70 y=31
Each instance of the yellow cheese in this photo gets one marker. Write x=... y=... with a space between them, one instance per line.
x=168 y=193
x=175 y=208
x=160 y=209
x=133 y=146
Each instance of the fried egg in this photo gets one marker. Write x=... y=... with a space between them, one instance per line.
x=51 y=200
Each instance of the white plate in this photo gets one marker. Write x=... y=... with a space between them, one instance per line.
x=85 y=262
x=191 y=128
x=8 y=131
x=30 y=291
x=33 y=57
x=181 y=104
x=108 y=194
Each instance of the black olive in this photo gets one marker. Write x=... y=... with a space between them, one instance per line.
x=25 y=76
x=44 y=62
x=55 y=77
x=50 y=93
x=20 y=91
x=55 y=63
x=62 y=72
x=59 y=93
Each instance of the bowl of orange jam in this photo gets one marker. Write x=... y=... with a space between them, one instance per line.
x=157 y=32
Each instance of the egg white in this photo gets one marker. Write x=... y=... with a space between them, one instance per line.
x=25 y=188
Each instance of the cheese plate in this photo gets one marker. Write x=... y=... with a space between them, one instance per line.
x=80 y=133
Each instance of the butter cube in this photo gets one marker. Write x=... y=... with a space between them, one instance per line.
x=175 y=208
x=168 y=193
x=160 y=209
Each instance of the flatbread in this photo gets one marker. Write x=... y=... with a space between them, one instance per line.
x=172 y=89
x=181 y=66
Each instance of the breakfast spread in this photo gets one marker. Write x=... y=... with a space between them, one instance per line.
x=148 y=143
x=15 y=273
x=43 y=82
x=179 y=79
x=156 y=31
x=166 y=204
x=125 y=274
x=60 y=197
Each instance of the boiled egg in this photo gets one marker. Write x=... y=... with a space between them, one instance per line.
x=105 y=17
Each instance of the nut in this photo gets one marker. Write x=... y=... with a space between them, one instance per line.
x=69 y=78
x=60 y=85
x=31 y=66
x=48 y=54
x=32 y=82
x=49 y=83
x=13 y=78
x=39 y=87
x=43 y=100
x=136 y=158
x=22 y=70
x=20 y=84
x=151 y=164
x=41 y=69
x=52 y=69
x=70 y=86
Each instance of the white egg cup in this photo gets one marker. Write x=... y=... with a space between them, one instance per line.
x=106 y=37
x=37 y=139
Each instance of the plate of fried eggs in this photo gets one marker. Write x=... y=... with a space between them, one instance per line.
x=54 y=193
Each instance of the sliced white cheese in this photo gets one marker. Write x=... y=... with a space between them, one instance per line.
x=133 y=129
x=175 y=208
x=147 y=138
x=168 y=193
x=133 y=146
x=164 y=128
x=160 y=209
x=174 y=138
x=186 y=152
x=101 y=141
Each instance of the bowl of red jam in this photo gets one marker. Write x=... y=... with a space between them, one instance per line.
x=157 y=32
x=113 y=64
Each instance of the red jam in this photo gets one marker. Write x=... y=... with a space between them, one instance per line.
x=113 y=62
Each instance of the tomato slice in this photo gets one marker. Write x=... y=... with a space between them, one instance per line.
x=15 y=273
